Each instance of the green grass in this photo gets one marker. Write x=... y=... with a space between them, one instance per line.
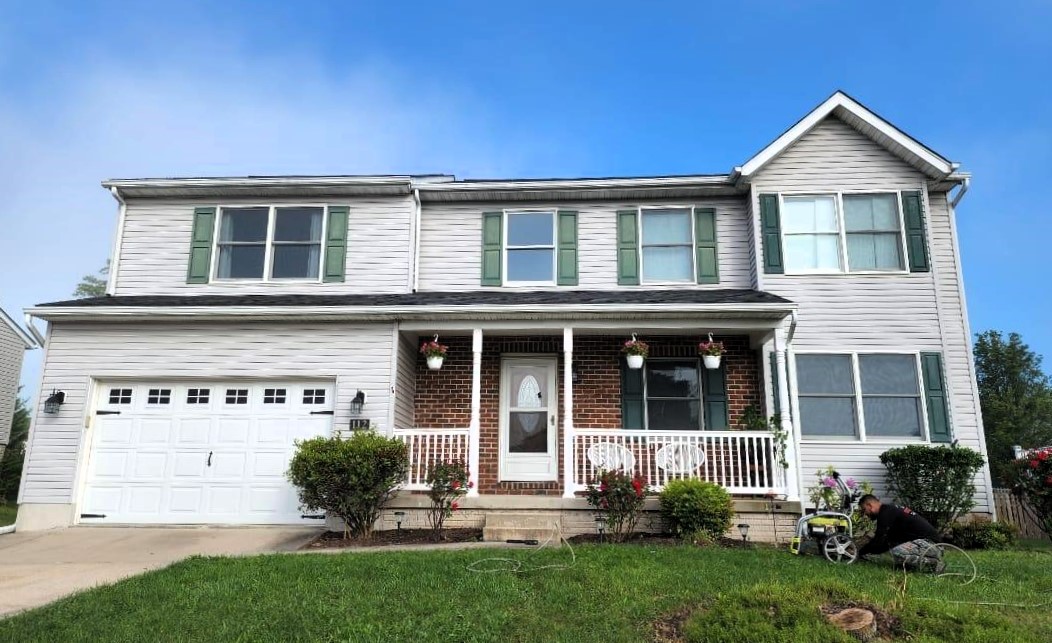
x=611 y=594
x=7 y=514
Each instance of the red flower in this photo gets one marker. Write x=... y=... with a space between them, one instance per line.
x=602 y=486
x=471 y=484
x=456 y=484
x=1043 y=455
x=454 y=506
x=1048 y=481
x=1034 y=464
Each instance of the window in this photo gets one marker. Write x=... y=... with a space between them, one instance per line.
x=820 y=232
x=884 y=388
x=270 y=243
x=871 y=223
x=237 y=396
x=274 y=396
x=314 y=396
x=197 y=395
x=120 y=396
x=531 y=247
x=673 y=395
x=812 y=238
x=159 y=396
x=667 y=244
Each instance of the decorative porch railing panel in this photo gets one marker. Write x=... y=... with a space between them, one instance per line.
x=428 y=446
x=744 y=462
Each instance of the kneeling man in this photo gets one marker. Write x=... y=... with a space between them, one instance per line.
x=910 y=537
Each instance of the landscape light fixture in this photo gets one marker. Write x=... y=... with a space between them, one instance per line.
x=743 y=528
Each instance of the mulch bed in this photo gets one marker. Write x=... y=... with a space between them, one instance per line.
x=656 y=539
x=335 y=540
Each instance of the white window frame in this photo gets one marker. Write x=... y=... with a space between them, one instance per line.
x=268 y=251
x=702 y=420
x=505 y=219
x=693 y=246
x=863 y=437
x=838 y=202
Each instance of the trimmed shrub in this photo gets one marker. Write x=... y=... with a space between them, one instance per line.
x=447 y=481
x=350 y=478
x=619 y=498
x=692 y=506
x=983 y=533
x=934 y=481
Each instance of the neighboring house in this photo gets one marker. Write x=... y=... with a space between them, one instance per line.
x=14 y=342
x=245 y=313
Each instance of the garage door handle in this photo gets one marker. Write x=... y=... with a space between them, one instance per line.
x=321 y=412
x=209 y=458
x=107 y=412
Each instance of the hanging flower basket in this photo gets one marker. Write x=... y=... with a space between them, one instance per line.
x=635 y=352
x=435 y=353
x=711 y=352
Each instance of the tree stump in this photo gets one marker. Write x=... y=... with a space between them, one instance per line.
x=859 y=623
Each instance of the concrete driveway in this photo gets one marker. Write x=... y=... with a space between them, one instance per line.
x=41 y=566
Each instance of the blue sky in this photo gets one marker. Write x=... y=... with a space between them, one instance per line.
x=488 y=89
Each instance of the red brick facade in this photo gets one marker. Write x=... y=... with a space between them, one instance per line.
x=443 y=397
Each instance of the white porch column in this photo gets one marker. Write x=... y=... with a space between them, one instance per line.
x=476 y=411
x=568 y=413
x=792 y=450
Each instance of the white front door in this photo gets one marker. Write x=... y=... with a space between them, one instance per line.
x=528 y=419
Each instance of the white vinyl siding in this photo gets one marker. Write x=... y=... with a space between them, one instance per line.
x=914 y=312
x=12 y=351
x=356 y=356
x=451 y=234
x=156 y=246
x=405 y=383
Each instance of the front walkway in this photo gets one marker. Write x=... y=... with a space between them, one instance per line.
x=42 y=566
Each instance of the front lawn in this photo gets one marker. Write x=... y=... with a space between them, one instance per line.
x=611 y=594
x=7 y=514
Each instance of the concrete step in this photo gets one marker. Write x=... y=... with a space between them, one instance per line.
x=504 y=526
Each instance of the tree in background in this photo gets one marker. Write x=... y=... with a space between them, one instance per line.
x=1016 y=397
x=92 y=285
x=14 y=455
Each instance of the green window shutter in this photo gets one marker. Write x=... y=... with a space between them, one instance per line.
x=714 y=397
x=707 y=264
x=632 y=408
x=627 y=248
x=336 y=243
x=935 y=397
x=771 y=234
x=492 y=237
x=201 y=246
x=916 y=234
x=567 y=248
x=775 y=380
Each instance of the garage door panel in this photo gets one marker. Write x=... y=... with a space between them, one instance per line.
x=209 y=452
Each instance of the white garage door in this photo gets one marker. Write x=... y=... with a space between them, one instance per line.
x=200 y=453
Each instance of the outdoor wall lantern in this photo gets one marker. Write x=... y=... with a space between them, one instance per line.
x=358 y=403
x=743 y=528
x=52 y=404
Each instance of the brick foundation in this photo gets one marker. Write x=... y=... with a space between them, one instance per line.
x=443 y=397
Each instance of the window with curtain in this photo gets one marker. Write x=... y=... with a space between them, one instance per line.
x=874 y=236
x=891 y=395
x=811 y=233
x=826 y=392
x=667 y=244
x=530 y=247
x=673 y=395
x=270 y=243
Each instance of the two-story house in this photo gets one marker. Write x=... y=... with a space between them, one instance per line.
x=14 y=342
x=245 y=313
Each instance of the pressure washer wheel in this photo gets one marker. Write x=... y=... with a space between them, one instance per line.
x=840 y=549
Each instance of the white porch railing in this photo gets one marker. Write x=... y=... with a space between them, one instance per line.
x=428 y=446
x=744 y=462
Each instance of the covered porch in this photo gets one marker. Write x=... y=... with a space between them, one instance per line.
x=661 y=423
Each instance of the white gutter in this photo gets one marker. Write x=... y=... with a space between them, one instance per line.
x=118 y=241
x=260 y=181
x=33 y=329
x=965 y=184
x=792 y=329
x=416 y=240
x=577 y=184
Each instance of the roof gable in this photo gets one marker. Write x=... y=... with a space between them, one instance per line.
x=860 y=118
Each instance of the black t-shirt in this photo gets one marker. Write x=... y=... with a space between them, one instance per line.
x=896 y=525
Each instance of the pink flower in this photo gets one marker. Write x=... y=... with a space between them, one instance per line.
x=850 y=482
x=1043 y=455
x=1034 y=464
x=456 y=484
x=454 y=506
x=471 y=484
x=829 y=482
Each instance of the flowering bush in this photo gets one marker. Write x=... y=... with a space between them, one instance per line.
x=710 y=348
x=635 y=347
x=618 y=497
x=433 y=349
x=1033 y=481
x=447 y=481
x=825 y=496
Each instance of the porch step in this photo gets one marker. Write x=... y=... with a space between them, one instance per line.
x=501 y=527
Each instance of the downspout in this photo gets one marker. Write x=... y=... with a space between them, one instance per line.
x=118 y=240
x=416 y=240
x=33 y=330
x=965 y=184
